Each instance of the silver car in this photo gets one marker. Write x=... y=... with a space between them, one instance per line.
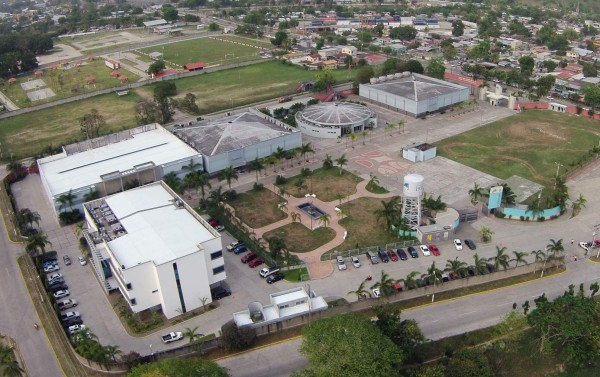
x=355 y=262
x=341 y=263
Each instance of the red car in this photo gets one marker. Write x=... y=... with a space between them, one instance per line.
x=255 y=262
x=248 y=257
x=434 y=250
x=213 y=222
x=393 y=256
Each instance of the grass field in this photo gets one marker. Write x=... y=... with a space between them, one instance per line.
x=66 y=83
x=208 y=50
x=299 y=239
x=241 y=86
x=258 y=208
x=28 y=134
x=327 y=184
x=527 y=144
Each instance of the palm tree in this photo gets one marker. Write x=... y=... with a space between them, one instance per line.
x=409 y=281
x=324 y=219
x=434 y=275
x=479 y=264
x=327 y=162
x=191 y=166
x=279 y=155
x=190 y=180
x=535 y=207
x=401 y=124
x=91 y=195
x=37 y=242
x=229 y=174
x=173 y=181
x=501 y=259
x=217 y=196
x=457 y=267
x=295 y=217
x=384 y=284
x=27 y=217
x=305 y=149
x=555 y=248
x=15 y=168
x=353 y=138
x=66 y=200
x=341 y=161
x=434 y=205
x=364 y=134
x=389 y=212
x=486 y=234
x=520 y=257
x=192 y=333
x=360 y=292
x=577 y=205
x=256 y=166
x=112 y=351
x=475 y=193
x=540 y=256
x=373 y=181
x=202 y=181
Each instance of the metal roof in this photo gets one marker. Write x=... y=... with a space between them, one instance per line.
x=417 y=87
x=336 y=113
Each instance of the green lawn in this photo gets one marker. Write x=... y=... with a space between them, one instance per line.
x=66 y=83
x=299 y=239
x=526 y=144
x=258 y=208
x=208 y=50
x=29 y=134
x=327 y=184
x=241 y=86
x=295 y=274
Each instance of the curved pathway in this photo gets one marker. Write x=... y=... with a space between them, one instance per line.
x=316 y=268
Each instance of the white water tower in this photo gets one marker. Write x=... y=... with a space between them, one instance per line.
x=412 y=192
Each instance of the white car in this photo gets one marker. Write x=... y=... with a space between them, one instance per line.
x=232 y=245
x=355 y=262
x=61 y=293
x=82 y=261
x=51 y=269
x=56 y=275
x=376 y=293
x=341 y=263
x=458 y=244
x=73 y=329
x=585 y=246
x=219 y=228
x=425 y=250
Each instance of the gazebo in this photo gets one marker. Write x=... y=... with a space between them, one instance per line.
x=123 y=78
x=89 y=79
x=114 y=73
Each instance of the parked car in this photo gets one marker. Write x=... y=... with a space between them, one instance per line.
x=372 y=257
x=213 y=222
x=341 y=264
x=241 y=248
x=67 y=260
x=68 y=315
x=383 y=256
x=61 y=294
x=248 y=257
x=82 y=260
x=425 y=250
x=172 y=337
x=72 y=321
x=255 y=262
x=376 y=293
x=59 y=287
x=392 y=255
x=402 y=254
x=355 y=262
x=220 y=292
x=67 y=304
x=457 y=244
x=51 y=268
x=413 y=252
x=56 y=281
x=585 y=246
x=470 y=244
x=219 y=228
x=73 y=329
x=267 y=271
x=275 y=278
x=233 y=245
x=54 y=276
x=434 y=250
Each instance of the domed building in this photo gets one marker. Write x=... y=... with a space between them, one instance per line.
x=331 y=120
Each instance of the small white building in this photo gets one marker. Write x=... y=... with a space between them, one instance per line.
x=283 y=305
x=154 y=248
x=419 y=152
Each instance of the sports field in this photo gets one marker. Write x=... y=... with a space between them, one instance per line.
x=66 y=81
x=210 y=50
x=526 y=144
x=29 y=134
x=240 y=86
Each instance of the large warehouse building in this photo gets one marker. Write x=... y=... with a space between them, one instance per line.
x=237 y=139
x=113 y=163
x=155 y=249
x=335 y=119
x=413 y=94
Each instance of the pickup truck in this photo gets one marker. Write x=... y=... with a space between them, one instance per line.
x=172 y=337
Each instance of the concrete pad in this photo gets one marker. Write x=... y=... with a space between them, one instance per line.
x=40 y=94
x=33 y=84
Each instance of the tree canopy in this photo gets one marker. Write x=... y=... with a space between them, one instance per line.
x=436 y=68
x=405 y=33
x=179 y=368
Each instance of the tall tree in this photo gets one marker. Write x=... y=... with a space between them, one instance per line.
x=469 y=362
x=341 y=161
x=91 y=124
x=306 y=149
x=360 y=292
x=256 y=165
x=37 y=242
x=173 y=181
x=192 y=333
x=555 y=248
x=384 y=284
x=389 y=212
x=406 y=334
x=475 y=193
x=229 y=174
x=519 y=257
x=66 y=200
x=327 y=162
x=501 y=259
x=436 y=68
x=457 y=267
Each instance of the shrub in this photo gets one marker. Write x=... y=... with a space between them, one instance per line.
x=522 y=218
x=541 y=218
x=231 y=195
x=70 y=217
x=258 y=186
x=235 y=338
x=280 y=180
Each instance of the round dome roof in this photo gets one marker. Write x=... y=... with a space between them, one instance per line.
x=336 y=113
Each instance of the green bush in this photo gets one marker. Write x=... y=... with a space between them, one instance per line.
x=70 y=217
x=280 y=180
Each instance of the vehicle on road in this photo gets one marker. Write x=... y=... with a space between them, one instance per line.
x=220 y=292
x=355 y=262
x=458 y=244
x=434 y=250
x=248 y=257
x=233 y=245
x=67 y=260
x=402 y=254
x=255 y=262
x=67 y=304
x=68 y=315
x=61 y=294
x=413 y=252
x=392 y=255
x=585 y=246
x=275 y=278
x=82 y=260
x=172 y=337
x=73 y=329
x=471 y=244
x=376 y=293
x=383 y=256
x=425 y=250
x=267 y=271
x=341 y=264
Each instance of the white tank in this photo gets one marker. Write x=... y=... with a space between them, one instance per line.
x=382 y=78
x=413 y=185
x=373 y=80
x=390 y=77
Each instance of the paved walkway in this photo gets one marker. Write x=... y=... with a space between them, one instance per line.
x=316 y=268
x=10 y=105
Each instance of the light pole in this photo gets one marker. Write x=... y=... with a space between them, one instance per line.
x=151 y=353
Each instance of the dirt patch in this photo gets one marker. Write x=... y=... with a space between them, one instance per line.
x=539 y=132
x=300 y=239
x=258 y=208
x=327 y=184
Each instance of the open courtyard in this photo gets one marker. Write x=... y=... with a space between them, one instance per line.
x=327 y=184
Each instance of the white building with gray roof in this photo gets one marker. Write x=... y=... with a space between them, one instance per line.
x=331 y=120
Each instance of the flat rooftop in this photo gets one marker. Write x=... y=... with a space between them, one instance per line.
x=214 y=136
x=417 y=87
x=79 y=167
x=156 y=229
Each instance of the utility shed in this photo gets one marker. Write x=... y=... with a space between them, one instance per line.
x=418 y=152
